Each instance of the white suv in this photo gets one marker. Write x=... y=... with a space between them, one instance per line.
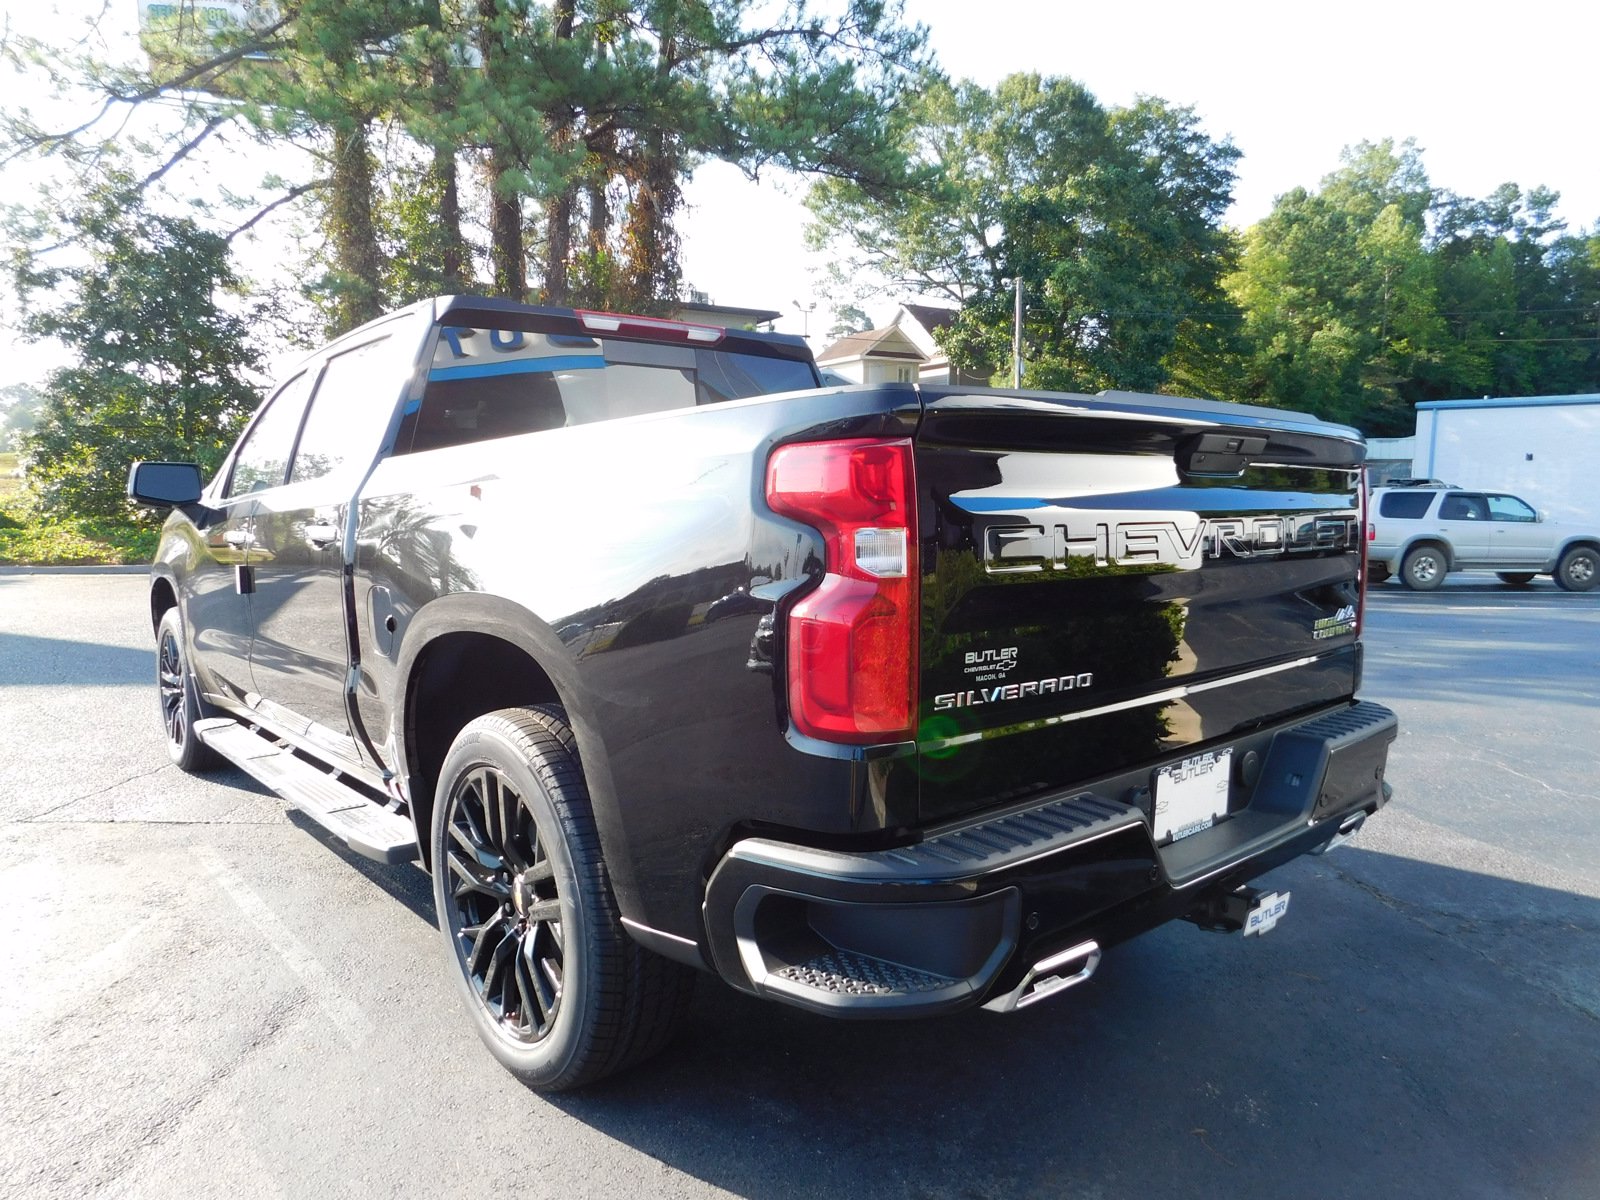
x=1422 y=533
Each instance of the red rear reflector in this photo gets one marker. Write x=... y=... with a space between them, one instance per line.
x=852 y=643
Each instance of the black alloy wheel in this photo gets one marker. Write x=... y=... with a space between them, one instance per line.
x=503 y=906
x=557 y=988
x=181 y=707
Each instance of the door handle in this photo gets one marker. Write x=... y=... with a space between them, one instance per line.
x=322 y=536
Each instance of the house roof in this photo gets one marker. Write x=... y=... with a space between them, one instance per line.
x=1513 y=401
x=888 y=342
x=929 y=317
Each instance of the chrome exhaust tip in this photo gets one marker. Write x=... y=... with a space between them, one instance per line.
x=1348 y=828
x=1050 y=975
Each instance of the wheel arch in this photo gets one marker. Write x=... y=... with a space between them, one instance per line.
x=465 y=655
x=163 y=596
x=1428 y=539
x=1581 y=541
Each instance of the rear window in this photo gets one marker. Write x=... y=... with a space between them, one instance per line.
x=491 y=383
x=1405 y=506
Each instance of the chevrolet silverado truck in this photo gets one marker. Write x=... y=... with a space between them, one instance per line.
x=882 y=701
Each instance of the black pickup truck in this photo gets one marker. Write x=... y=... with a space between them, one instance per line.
x=882 y=701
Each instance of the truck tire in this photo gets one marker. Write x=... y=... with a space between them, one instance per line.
x=179 y=699
x=1424 y=568
x=556 y=988
x=1516 y=578
x=1579 y=569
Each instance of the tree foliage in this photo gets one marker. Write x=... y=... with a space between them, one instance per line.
x=1374 y=293
x=564 y=130
x=1111 y=219
x=162 y=358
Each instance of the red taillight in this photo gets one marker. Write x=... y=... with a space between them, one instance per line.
x=852 y=643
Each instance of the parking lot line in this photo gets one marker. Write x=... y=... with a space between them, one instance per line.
x=347 y=1016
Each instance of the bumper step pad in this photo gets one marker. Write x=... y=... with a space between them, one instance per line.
x=368 y=828
x=846 y=973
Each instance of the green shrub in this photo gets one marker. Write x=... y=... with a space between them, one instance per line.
x=29 y=537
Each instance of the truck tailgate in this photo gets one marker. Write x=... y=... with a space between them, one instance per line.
x=1121 y=579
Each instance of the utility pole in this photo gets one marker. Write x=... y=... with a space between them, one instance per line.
x=1016 y=339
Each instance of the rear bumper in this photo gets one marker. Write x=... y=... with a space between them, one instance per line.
x=969 y=913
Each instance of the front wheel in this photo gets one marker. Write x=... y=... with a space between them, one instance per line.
x=1423 y=569
x=1579 y=569
x=1516 y=578
x=180 y=701
x=558 y=991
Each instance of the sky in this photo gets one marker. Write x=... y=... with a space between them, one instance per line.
x=1491 y=94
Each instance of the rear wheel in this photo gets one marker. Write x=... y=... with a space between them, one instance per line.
x=180 y=701
x=557 y=989
x=1579 y=569
x=1516 y=578
x=1424 y=568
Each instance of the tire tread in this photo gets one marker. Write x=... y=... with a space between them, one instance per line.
x=636 y=998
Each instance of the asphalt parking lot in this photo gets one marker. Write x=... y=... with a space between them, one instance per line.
x=203 y=996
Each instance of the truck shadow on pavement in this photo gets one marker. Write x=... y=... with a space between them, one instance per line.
x=28 y=661
x=1410 y=1030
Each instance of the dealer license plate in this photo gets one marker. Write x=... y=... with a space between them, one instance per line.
x=1191 y=795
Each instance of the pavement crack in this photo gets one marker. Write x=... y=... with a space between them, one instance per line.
x=1436 y=921
x=38 y=816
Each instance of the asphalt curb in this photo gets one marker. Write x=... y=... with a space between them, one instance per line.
x=95 y=569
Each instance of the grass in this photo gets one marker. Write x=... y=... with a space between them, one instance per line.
x=10 y=484
x=29 y=537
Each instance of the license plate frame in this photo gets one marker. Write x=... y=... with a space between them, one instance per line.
x=1189 y=796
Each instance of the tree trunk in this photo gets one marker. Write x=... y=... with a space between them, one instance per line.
x=358 y=295
x=558 y=209
x=650 y=269
x=452 y=245
x=557 y=247
x=506 y=252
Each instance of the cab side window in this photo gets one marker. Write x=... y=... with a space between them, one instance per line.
x=262 y=460
x=354 y=400
x=1463 y=508
x=1509 y=508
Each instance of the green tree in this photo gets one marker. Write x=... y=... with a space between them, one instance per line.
x=1341 y=310
x=1111 y=219
x=1521 y=297
x=563 y=130
x=162 y=351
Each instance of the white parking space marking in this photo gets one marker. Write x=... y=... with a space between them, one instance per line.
x=348 y=1017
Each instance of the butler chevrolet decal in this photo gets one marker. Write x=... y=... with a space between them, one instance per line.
x=1131 y=539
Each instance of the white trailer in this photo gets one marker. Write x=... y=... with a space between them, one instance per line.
x=1545 y=449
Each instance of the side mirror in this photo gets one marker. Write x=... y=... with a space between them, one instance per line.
x=1544 y=514
x=164 y=484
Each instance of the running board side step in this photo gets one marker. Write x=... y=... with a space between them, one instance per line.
x=1049 y=976
x=368 y=828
